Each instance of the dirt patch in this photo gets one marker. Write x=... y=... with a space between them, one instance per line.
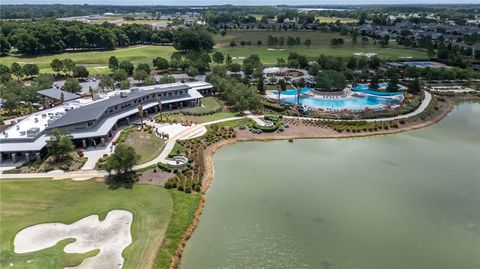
x=155 y=176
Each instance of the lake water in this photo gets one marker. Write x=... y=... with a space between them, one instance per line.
x=410 y=200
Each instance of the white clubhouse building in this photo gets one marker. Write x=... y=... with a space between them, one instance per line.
x=94 y=122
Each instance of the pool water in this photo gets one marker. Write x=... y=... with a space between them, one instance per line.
x=343 y=103
x=350 y=102
x=293 y=92
x=382 y=86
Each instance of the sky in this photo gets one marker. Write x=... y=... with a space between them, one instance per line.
x=237 y=2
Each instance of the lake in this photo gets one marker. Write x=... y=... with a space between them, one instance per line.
x=409 y=200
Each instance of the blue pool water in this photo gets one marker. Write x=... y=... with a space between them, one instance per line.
x=382 y=86
x=294 y=92
x=346 y=103
x=365 y=89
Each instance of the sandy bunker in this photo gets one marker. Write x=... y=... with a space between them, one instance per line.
x=111 y=236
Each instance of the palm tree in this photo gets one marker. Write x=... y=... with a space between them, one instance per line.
x=140 y=113
x=159 y=100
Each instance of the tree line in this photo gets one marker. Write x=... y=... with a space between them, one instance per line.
x=51 y=36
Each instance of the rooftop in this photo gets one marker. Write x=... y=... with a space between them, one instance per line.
x=56 y=94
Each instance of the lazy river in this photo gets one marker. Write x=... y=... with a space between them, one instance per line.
x=410 y=200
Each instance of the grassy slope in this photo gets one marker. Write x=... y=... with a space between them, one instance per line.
x=208 y=104
x=183 y=213
x=148 y=146
x=29 y=202
x=96 y=61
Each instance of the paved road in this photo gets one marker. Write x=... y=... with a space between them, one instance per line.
x=77 y=175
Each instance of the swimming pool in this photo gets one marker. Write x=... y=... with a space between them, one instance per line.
x=293 y=92
x=351 y=102
x=365 y=88
x=381 y=86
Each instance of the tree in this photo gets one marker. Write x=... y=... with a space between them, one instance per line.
x=260 y=85
x=194 y=39
x=140 y=114
x=307 y=43
x=60 y=144
x=5 y=74
x=30 y=70
x=140 y=75
x=4 y=45
x=72 y=85
x=144 y=67
x=106 y=82
x=127 y=67
x=68 y=65
x=167 y=79
x=415 y=86
x=192 y=71
x=16 y=70
x=217 y=57
x=228 y=60
x=122 y=160
x=43 y=81
x=330 y=80
x=160 y=63
x=57 y=66
x=374 y=83
x=124 y=84
x=113 y=63
x=375 y=62
x=149 y=80
x=80 y=71
x=235 y=67
x=119 y=75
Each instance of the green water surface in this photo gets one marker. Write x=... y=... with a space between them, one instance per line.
x=409 y=200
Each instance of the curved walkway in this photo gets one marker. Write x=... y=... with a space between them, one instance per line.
x=87 y=174
x=182 y=135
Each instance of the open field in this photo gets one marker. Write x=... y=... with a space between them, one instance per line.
x=334 y=19
x=28 y=202
x=95 y=61
x=147 y=145
x=320 y=45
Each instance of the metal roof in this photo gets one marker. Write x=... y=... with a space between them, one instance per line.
x=95 y=110
x=55 y=93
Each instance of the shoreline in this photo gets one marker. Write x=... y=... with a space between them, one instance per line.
x=210 y=170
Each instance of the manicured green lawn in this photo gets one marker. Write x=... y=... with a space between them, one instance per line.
x=320 y=45
x=96 y=61
x=147 y=145
x=205 y=118
x=208 y=104
x=28 y=202
x=270 y=57
x=184 y=206
x=236 y=123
